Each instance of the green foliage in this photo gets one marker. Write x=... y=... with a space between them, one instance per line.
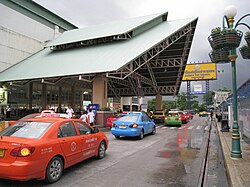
x=224 y=89
x=167 y=105
x=247 y=34
x=208 y=98
x=151 y=105
x=216 y=30
x=180 y=102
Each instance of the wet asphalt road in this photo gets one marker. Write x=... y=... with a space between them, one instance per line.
x=172 y=157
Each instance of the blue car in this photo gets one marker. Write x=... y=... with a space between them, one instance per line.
x=134 y=124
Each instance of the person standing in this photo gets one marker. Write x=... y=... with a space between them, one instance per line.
x=212 y=115
x=91 y=117
x=70 y=112
x=84 y=116
x=2 y=114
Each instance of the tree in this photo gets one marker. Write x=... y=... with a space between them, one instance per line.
x=182 y=101
x=208 y=98
x=167 y=105
x=224 y=89
x=151 y=105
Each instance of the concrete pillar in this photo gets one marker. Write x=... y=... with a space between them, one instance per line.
x=30 y=95
x=158 y=102
x=100 y=91
x=44 y=96
x=139 y=103
x=121 y=103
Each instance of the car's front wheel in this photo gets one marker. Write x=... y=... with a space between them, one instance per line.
x=54 y=170
x=153 y=131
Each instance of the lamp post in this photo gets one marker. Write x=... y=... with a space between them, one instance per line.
x=230 y=13
x=224 y=43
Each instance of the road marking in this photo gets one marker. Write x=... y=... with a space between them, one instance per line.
x=172 y=127
x=199 y=127
x=190 y=127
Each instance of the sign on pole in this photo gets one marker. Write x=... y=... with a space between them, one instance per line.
x=204 y=71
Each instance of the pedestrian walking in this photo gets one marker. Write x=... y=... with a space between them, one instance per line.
x=70 y=112
x=212 y=115
x=84 y=116
x=91 y=117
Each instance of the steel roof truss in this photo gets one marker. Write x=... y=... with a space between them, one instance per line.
x=184 y=59
x=152 y=77
x=113 y=89
x=164 y=90
x=151 y=53
x=120 y=82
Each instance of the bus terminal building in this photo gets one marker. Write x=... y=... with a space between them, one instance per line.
x=142 y=56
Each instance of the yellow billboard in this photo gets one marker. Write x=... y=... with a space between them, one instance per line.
x=205 y=71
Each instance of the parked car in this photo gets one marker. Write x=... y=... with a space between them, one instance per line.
x=41 y=148
x=134 y=124
x=190 y=111
x=183 y=117
x=173 y=118
x=111 y=119
x=204 y=114
x=44 y=113
x=159 y=116
x=188 y=115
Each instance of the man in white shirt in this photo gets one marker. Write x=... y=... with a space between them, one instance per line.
x=91 y=117
x=84 y=116
x=70 y=112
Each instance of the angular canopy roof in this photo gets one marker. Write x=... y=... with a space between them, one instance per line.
x=147 y=51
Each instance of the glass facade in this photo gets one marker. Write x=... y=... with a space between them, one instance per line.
x=18 y=96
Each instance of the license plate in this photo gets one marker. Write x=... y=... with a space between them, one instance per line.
x=2 y=152
x=122 y=126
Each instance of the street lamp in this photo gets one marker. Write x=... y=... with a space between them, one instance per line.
x=224 y=43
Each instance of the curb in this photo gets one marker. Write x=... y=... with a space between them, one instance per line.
x=237 y=170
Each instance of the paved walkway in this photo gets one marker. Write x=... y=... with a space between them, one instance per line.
x=238 y=170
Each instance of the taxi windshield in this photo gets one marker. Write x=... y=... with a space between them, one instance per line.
x=26 y=129
x=173 y=114
x=128 y=118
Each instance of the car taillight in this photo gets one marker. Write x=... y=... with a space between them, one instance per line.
x=166 y=118
x=179 y=118
x=22 y=151
x=134 y=126
x=114 y=125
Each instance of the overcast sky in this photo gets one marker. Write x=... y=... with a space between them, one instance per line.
x=84 y=13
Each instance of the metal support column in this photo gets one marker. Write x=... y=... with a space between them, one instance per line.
x=188 y=95
x=207 y=92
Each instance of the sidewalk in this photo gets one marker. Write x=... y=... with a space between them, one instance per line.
x=238 y=170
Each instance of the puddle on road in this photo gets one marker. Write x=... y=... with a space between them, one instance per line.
x=180 y=156
x=182 y=159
